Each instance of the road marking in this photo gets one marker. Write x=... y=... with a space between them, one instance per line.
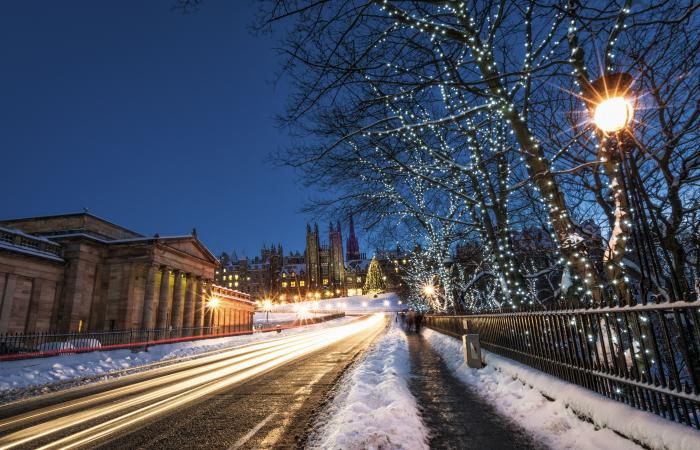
x=239 y=443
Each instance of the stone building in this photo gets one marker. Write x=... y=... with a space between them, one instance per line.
x=77 y=272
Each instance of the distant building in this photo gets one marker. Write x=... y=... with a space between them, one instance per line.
x=323 y=271
x=77 y=272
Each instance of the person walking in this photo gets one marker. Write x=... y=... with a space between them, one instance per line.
x=410 y=320
x=419 y=321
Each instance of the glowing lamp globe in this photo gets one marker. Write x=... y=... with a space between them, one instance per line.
x=428 y=290
x=613 y=114
x=213 y=302
x=609 y=102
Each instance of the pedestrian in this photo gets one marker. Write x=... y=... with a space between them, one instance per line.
x=410 y=320
x=419 y=321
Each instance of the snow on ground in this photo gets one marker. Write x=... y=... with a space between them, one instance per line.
x=356 y=304
x=42 y=371
x=516 y=391
x=374 y=408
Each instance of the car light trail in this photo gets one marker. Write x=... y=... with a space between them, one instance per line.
x=126 y=406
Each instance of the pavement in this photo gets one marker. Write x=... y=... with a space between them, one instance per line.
x=263 y=395
x=457 y=417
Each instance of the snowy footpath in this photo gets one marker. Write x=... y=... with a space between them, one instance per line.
x=374 y=408
x=517 y=392
x=67 y=368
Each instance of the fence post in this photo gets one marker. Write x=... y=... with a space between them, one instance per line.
x=472 y=350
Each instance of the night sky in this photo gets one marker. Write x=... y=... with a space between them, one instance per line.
x=153 y=119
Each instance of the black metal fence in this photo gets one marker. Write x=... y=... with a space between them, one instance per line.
x=646 y=356
x=48 y=343
x=19 y=346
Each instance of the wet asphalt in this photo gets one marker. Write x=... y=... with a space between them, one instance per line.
x=456 y=416
x=274 y=410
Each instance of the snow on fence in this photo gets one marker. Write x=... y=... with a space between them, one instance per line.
x=646 y=356
x=36 y=345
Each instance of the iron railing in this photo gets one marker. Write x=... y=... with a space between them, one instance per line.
x=49 y=343
x=20 y=346
x=646 y=356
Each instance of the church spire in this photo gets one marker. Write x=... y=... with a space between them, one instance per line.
x=352 y=247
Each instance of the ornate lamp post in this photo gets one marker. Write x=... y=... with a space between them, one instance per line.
x=267 y=307
x=611 y=104
x=212 y=306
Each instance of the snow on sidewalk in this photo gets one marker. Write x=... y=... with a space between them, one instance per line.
x=374 y=408
x=64 y=368
x=516 y=391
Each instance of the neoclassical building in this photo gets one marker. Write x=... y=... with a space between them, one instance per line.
x=78 y=272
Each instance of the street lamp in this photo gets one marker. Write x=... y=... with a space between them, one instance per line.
x=611 y=104
x=613 y=114
x=267 y=306
x=428 y=290
x=212 y=305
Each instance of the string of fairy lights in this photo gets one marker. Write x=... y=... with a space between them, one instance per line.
x=487 y=124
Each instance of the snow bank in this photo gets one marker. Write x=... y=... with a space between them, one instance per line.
x=41 y=371
x=261 y=318
x=374 y=408
x=516 y=391
x=356 y=304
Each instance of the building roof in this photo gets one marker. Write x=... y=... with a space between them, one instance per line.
x=19 y=242
x=72 y=222
x=85 y=225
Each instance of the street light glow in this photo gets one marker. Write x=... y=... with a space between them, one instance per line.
x=429 y=290
x=613 y=114
x=213 y=303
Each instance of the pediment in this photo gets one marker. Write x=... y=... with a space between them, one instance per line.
x=191 y=246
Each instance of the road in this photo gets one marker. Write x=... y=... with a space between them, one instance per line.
x=261 y=395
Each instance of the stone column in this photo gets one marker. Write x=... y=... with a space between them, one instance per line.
x=189 y=300
x=6 y=300
x=178 y=301
x=199 y=305
x=164 y=298
x=149 y=297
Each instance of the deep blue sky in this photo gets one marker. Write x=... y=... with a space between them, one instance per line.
x=153 y=119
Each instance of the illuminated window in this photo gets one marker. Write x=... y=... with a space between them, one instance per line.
x=224 y=270
x=236 y=284
x=325 y=281
x=359 y=279
x=236 y=276
x=229 y=285
x=284 y=284
x=284 y=275
x=302 y=283
x=293 y=283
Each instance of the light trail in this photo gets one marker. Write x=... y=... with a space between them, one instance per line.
x=126 y=406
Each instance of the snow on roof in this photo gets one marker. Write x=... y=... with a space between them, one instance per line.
x=30 y=236
x=296 y=268
x=29 y=251
x=359 y=264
